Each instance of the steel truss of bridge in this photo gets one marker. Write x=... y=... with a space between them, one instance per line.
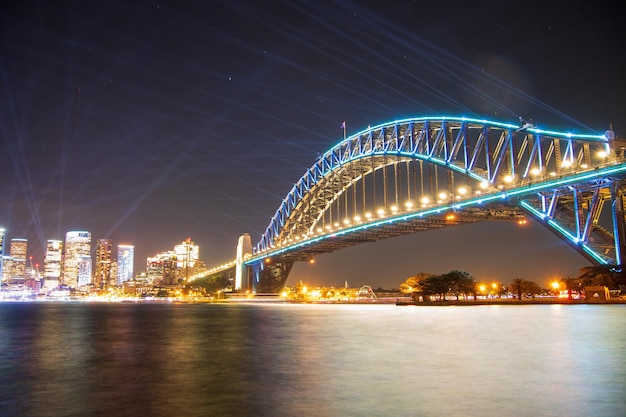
x=421 y=174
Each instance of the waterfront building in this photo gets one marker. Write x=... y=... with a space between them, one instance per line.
x=154 y=267
x=19 y=248
x=137 y=287
x=113 y=279
x=77 y=245
x=154 y=270
x=2 y=233
x=187 y=254
x=52 y=263
x=84 y=271
x=162 y=268
x=170 y=272
x=102 y=277
x=32 y=284
x=6 y=268
x=125 y=261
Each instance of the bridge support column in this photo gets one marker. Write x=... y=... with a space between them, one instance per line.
x=244 y=249
x=619 y=229
x=269 y=276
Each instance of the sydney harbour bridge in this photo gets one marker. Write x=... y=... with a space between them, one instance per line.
x=424 y=173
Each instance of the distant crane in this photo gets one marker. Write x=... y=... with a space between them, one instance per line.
x=34 y=270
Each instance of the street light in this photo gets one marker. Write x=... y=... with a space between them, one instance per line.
x=483 y=289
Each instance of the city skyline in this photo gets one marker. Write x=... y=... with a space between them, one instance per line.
x=93 y=248
x=196 y=119
x=76 y=263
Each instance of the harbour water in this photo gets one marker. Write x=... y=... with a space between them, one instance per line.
x=272 y=359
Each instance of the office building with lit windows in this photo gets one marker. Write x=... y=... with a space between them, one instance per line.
x=2 y=233
x=125 y=261
x=84 y=271
x=161 y=269
x=19 y=248
x=154 y=269
x=187 y=254
x=77 y=246
x=113 y=280
x=52 y=264
x=102 y=276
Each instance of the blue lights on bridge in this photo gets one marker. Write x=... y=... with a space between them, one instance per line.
x=560 y=178
x=569 y=135
x=485 y=199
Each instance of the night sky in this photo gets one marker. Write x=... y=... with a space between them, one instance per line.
x=148 y=122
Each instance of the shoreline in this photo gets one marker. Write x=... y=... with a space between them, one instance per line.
x=398 y=301
x=508 y=302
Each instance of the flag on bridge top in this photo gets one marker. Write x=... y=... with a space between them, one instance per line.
x=343 y=125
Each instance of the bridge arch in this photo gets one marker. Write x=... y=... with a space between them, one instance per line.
x=406 y=176
x=488 y=153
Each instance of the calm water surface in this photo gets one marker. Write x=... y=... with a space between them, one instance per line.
x=157 y=359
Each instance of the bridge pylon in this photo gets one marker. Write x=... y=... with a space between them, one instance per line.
x=270 y=274
x=242 y=275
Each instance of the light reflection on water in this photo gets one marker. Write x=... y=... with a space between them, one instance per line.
x=311 y=360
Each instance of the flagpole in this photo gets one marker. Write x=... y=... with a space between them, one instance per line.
x=344 y=130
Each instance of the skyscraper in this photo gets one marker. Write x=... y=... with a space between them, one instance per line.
x=19 y=247
x=187 y=254
x=102 y=276
x=170 y=276
x=2 y=232
x=125 y=263
x=77 y=245
x=113 y=280
x=84 y=270
x=52 y=264
x=154 y=268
